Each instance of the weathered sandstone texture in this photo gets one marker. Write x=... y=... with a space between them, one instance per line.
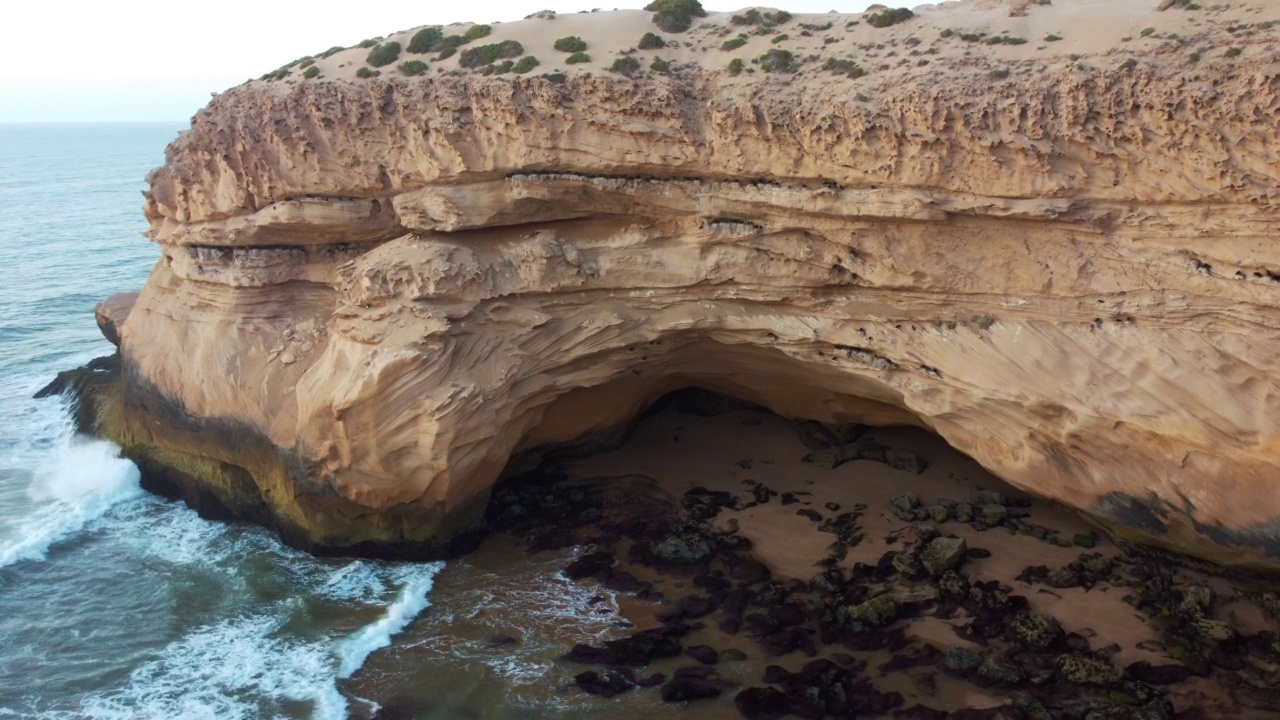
x=373 y=293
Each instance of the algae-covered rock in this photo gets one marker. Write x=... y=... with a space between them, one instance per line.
x=877 y=612
x=1088 y=671
x=942 y=554
x=1034 y=631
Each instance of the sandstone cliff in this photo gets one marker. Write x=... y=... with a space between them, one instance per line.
x=1058 y=255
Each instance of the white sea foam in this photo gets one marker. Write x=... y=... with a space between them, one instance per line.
x=79 y=483
x=354 y=650
x=239 y=669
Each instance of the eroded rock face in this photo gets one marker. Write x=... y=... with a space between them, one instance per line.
x=373 y=294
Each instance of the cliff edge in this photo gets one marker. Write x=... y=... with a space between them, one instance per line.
x=1044 y=232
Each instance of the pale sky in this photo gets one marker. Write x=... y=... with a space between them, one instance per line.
x=94 y=61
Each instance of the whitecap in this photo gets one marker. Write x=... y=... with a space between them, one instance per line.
x=239 y=669
x=80 y=482
x=354 y=650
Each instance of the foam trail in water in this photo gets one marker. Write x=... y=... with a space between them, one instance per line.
x=353 y=651
x=80 y=483
x=238 y=669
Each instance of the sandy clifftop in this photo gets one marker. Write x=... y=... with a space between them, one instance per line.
x=1057 y=254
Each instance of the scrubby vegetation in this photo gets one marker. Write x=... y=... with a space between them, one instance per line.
x=306 y=64
x=779 y=38
x=660 y=65
x=675 y=16
x=1000 y=74
x=1052 y=38
x=556 y=78
x=426 y=40
x=384 y=54
x=1235 y=52
x=885 y=18
x=776 y=60
x=413 y=67
x=365 y=44
x=570 y=44
x=755 y=17
x=367 y=72
x=734 y=43
x=651 y=41
x=312 y=72
x=625 y=65
x=848 y=68
x=488 y=54
x=578 y=57
x=331 y=51
x=735 y=66
x=475 y=32
x=1006 y=40
x=525 y=64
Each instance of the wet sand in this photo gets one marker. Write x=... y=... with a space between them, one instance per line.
x=504 y=617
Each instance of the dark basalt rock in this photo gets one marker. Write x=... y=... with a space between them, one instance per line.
x=762 y=703
x=636 y=650
x=704 y=654
x=588 y=565
x=607 y=685
x=1143 y=671
x=623 y=582
x=694 y=683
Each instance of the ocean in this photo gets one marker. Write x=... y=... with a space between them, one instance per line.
x=118 y=604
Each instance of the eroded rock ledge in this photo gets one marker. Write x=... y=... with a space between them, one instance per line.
x=372 y=294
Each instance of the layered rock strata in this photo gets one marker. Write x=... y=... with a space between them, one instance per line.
x=373 y=293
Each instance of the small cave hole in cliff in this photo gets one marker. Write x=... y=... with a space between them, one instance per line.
x=758 y=562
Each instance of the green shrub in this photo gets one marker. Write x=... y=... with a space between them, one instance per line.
x=1195 y=57
x=651 y=41
x=735 y=66
x=306 y=64
x=885 y=18
x=755 y=17
x=626 y=65
x=366 y=44
x=488 y=54
x=778 y=61
x=948 y=33
x=844 y=67
x=998 y=74
x=734 y=43
x=556 y=78
x=1052 y=38
x=817 y=28
x=425 y=40
x=972 y=37
x=450 y=43
x=570 y=44
x=312 y=72
x=1006 y=40
x=1129 y=65
x=779 y=38
x=475 y=32
x=384 y=54
x=660 y=65
x=413 y=67
x=446 y=53
x=367 y=72
x=1235 y=52
x=526 y=63
x=332 y=51
x=675 y=16
x=502 y=67
x=578 y=57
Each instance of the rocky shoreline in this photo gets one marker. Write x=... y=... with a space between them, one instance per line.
x=936 y=627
